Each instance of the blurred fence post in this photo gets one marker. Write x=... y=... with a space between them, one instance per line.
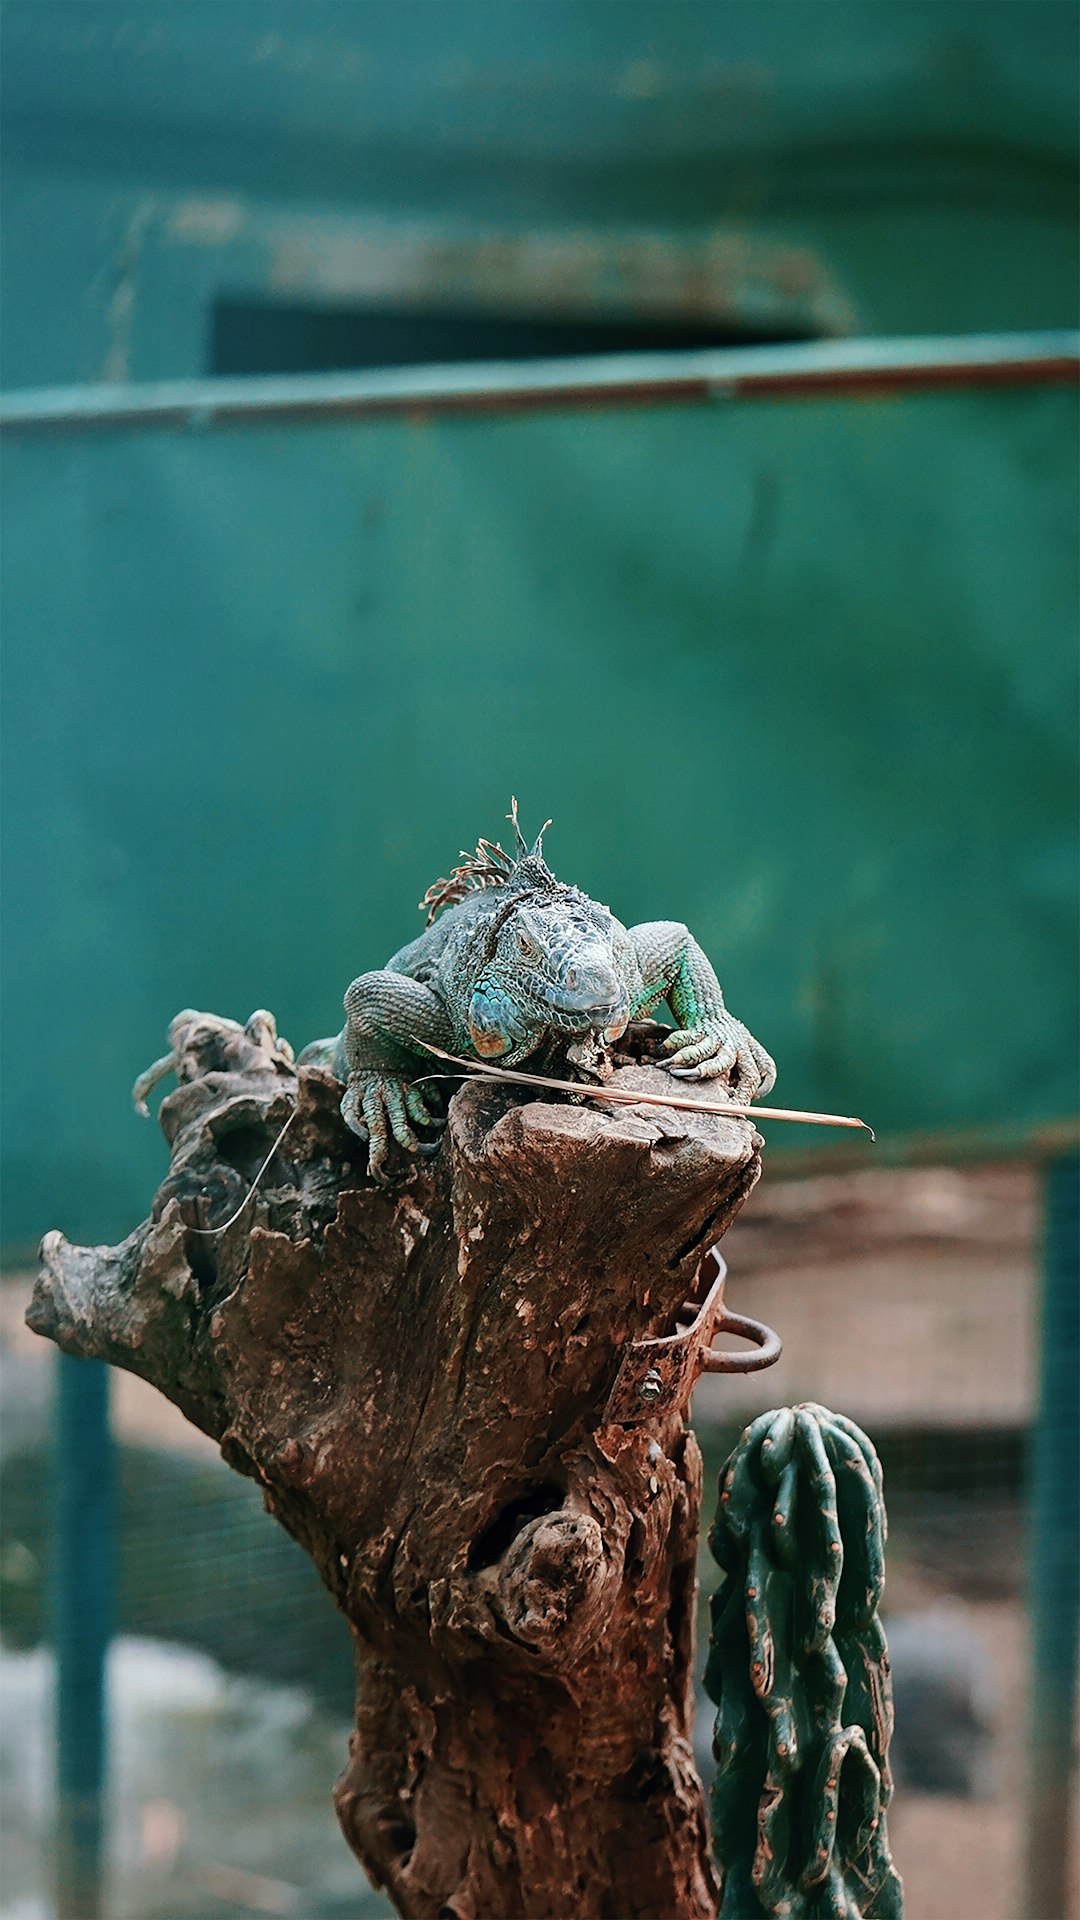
x=1054 y=1569
x=82 y=1604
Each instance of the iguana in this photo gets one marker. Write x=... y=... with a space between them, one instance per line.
x=514 y=965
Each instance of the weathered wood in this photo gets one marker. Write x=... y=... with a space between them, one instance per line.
x=418 y=1378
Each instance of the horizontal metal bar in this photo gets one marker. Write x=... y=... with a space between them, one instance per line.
x=605 y=380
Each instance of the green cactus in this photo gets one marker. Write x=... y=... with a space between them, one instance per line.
x=799 y=1671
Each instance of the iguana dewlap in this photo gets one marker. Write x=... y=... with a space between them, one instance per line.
x=514 y=965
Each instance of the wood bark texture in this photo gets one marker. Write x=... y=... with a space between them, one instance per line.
x=418 y=1378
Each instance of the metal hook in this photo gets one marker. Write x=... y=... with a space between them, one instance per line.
x=658 y=1375
x=768 y=1344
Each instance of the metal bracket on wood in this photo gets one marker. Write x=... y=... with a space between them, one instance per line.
x=659 y=1375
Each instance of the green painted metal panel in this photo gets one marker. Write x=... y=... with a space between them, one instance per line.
x=918 y=157
x=798 y=671
x=574 y=78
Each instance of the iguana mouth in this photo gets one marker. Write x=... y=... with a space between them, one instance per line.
x=591 y=1057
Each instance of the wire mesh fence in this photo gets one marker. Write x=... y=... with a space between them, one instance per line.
x=908 y=1300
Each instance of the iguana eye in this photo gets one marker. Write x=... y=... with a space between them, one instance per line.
x=526 y=947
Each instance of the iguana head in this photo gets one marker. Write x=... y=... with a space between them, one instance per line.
x=547 y=969
x=542 y=962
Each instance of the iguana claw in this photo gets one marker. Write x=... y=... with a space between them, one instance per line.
x=378 y=1107
x=721 y=1046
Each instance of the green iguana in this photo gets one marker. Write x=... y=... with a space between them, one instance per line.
x=514 y=965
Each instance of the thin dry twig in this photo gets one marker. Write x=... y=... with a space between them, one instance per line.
x=624 y=1097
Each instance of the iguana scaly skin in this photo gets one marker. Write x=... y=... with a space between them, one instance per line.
x=513 y=966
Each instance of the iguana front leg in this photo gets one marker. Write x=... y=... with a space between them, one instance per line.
x=709 y=1041
x=386 y=1014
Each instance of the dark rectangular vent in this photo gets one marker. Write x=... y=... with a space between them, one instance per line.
x=250 y=336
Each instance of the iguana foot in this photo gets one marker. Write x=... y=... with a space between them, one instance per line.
x=721 y=1047
x=380 y=1107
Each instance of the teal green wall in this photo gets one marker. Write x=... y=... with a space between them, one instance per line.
x=160 y=153
x=800 y=673
x=797 y=672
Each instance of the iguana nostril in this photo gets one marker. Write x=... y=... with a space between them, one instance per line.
x=571 y=977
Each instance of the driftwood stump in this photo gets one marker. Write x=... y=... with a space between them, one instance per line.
x=418 y=1378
